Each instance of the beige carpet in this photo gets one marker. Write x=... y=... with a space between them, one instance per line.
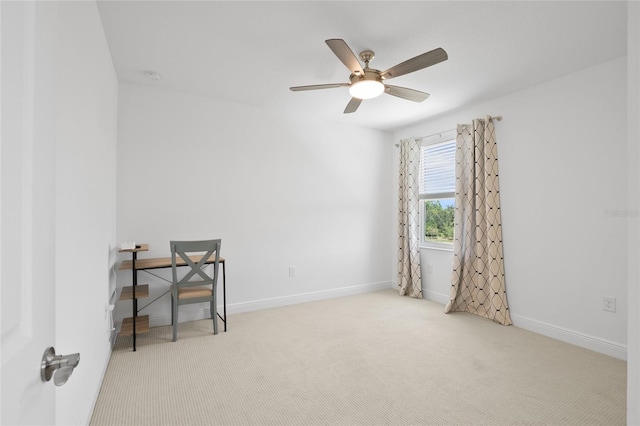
x=371 y=359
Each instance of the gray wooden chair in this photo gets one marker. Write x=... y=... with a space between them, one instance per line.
x=196 y=286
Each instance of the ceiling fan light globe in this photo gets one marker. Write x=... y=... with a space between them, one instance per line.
x=366 y=89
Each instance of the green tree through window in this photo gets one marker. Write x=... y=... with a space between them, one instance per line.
x=438 y=226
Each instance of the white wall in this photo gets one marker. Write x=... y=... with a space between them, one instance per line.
x=279 y=190
x=86 y=96
x=633 y=105
x=563 y=168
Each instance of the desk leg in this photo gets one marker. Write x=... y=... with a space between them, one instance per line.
x=135 y=300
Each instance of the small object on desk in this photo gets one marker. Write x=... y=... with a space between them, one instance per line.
x=128 y=245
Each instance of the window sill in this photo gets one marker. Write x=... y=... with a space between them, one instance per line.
x=439 y=247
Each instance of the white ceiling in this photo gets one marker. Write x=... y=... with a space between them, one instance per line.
x=252 y=52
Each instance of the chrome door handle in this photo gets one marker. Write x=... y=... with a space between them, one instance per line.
x=59 y=367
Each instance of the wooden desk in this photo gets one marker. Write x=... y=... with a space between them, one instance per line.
x=161 y=262
x=165 y=262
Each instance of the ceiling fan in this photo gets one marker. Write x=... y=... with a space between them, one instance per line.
x=367 y=83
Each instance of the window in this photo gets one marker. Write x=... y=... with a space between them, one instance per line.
x=437 y=193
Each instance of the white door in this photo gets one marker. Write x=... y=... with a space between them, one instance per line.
x=27 y=258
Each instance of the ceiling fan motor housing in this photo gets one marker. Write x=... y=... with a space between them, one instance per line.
x=369 y=74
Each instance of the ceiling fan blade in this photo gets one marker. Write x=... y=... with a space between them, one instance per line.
x=404 y=93
x=353 y=105
x=318 y=86
x=414 y=64
x=345 y=54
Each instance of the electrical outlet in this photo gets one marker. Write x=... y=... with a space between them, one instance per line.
x=292 y=271
x=609 y=304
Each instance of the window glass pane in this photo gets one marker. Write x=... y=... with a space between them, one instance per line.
x=438 y=168
x=438 y=220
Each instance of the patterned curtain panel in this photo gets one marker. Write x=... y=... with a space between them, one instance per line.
x=409 y=220
x=477 y=282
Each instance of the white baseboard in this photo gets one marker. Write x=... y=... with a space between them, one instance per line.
x=586 y=341
x=441 y=298
x=273 y=302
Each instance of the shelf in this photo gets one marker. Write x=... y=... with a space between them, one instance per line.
x=142 y=325
x=135 y=324
x=142 y=291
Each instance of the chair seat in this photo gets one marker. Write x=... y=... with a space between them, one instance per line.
x=193 y=292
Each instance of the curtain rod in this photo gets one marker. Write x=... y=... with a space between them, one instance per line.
x=495 y=117
x=436 y=134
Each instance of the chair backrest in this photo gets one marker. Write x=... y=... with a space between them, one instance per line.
x=211 y=248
